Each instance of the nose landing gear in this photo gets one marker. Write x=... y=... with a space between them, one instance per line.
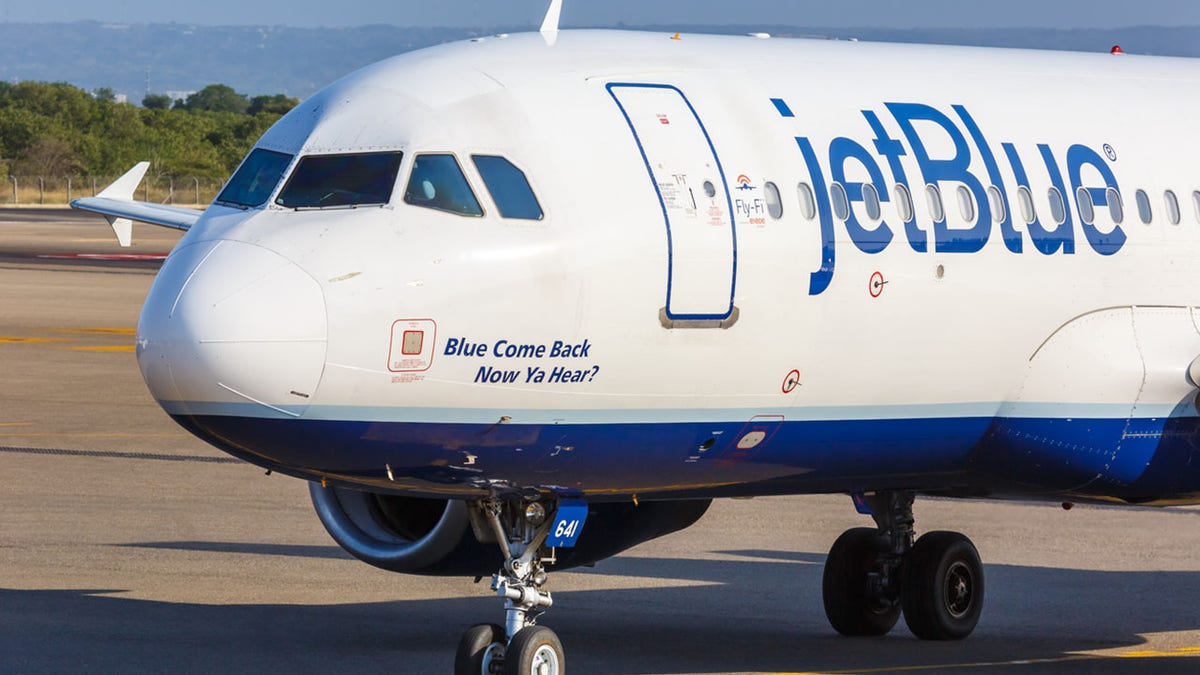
x=873 y=575
x=521 y=647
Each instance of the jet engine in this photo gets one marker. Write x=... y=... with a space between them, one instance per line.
x=435 y=536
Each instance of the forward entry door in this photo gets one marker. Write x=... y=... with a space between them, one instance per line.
x=696 y=207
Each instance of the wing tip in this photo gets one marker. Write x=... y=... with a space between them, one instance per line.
x=126 y=185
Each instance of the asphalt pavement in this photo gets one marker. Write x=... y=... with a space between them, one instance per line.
x=126 y=545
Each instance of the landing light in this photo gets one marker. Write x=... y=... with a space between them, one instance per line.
x=535 y=514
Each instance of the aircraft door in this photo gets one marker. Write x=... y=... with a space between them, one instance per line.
x=696 y=206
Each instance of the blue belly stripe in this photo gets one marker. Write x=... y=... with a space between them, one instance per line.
x=967 y=455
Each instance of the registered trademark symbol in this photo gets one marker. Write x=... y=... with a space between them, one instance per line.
x=1112 y=154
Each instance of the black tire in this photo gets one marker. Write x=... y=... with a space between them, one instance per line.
x=473 y=647
x=534 y=650
x=941 y=587
x=845 y=587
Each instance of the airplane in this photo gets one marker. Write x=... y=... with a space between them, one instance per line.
x=522 y=302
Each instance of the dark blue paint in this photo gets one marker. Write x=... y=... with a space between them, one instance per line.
x=1009 y=233
x=956 y=169
x=973 y=455
x=1079 y=156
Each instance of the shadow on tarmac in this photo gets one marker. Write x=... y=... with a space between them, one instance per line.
x=762 y=613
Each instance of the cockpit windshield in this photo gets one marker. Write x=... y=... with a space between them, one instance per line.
x=256 y=179
x=509 y=188
x=438 y=182
x=326 y=181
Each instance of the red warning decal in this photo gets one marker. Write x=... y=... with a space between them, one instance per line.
x=791 y=382
x=875 y=287
x=411 y=347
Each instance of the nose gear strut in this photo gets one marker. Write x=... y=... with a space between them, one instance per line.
x=520 y=646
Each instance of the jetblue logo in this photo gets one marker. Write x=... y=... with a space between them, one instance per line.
x=921 y=126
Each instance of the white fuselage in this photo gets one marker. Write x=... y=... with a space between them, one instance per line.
x=638 y=299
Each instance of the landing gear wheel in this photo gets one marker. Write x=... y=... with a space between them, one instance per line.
x=479 y=647
x=942 y=587
x=534 y=650
x=846 y=586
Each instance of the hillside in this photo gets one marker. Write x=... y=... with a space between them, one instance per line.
x=298 y=61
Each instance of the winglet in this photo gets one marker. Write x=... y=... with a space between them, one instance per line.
x=123 y=188
x=550 y=23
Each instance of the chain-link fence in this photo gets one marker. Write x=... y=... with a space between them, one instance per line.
x=59 y=190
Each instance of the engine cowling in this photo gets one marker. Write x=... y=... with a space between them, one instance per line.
x=434 y=536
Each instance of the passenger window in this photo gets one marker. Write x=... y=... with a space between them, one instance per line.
x=966 y=203
x=934 y=197
x=1143 y=206
x=1058 y=210
x=808 y=202
x=437 y=182
x=1116 y=209
x=324 y=181
x=255 y=179
x=774 y=201
x=997 y=201
x=904 y=205
x=1087 y=210
x=1196 y=203
x=1025 y=201
x=841 y=204
x=509 y=188
x=1172 y=203
x=871 y=201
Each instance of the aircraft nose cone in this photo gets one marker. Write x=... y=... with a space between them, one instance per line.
x=231 y=328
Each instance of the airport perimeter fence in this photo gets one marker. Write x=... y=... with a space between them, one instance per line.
x=60 y=190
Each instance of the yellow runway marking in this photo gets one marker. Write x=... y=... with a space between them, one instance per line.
x=98 y=331
x=25 y=340
x=1145 y=654
x=110 y=348
x=1149 y=654
x=15 y=424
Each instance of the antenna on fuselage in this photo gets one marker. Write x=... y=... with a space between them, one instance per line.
x=550 y=23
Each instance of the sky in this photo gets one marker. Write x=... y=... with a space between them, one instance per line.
x=517 y=13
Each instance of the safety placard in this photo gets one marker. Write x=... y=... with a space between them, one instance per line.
x=412 y=343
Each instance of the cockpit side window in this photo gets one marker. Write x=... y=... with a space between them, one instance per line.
x=509 y=188
x=327 y=181
x=255 y=179
x=438 y=182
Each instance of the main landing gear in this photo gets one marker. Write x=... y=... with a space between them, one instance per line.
x=873 y=575
x=519 y=647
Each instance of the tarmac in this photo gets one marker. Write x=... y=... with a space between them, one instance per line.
x=126 y=545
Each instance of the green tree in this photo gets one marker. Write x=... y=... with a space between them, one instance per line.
x=57 y=129
x=68 y=106
x=278 y=104
x=105 y=94
x=48 y=156
x=156 y=101
x=217 y=98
